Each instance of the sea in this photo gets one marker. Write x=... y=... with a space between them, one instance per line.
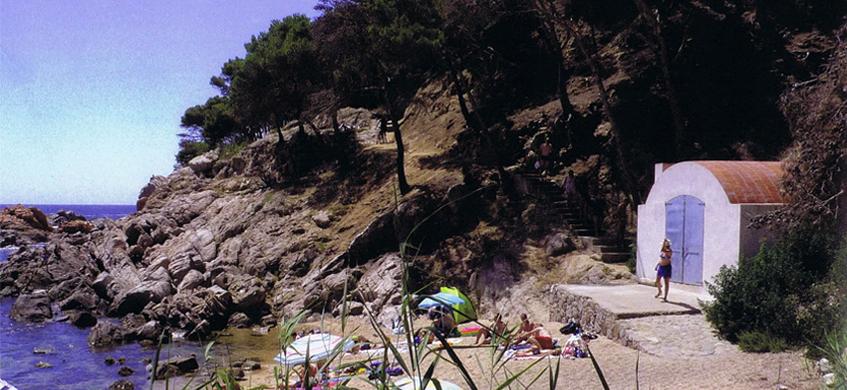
x=73 y=365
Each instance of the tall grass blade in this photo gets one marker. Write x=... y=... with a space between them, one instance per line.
x=597 y=369
x=455 y=358
x=156 y=359
x=554 y=375
x=637 y=360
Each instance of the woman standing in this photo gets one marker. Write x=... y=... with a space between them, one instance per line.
x=663 y=269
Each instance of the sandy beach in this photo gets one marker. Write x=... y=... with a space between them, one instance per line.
x=727 y=368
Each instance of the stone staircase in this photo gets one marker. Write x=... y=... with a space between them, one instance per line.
x=577 y=217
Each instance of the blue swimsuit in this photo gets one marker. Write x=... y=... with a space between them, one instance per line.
x=664 y=271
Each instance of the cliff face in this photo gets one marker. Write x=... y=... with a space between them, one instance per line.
x=213 y=243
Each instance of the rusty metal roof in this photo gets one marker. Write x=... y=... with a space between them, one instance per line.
x=748 y=181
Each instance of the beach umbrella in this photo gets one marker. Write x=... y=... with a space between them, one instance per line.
x=318 y=346
x=409 y=384
x=463 y=311
x=440 y=299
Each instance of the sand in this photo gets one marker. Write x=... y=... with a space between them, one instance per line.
x=728 y=368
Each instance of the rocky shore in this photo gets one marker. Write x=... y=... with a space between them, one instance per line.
x=212 y=246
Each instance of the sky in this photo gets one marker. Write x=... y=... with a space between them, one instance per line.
x=92 y=91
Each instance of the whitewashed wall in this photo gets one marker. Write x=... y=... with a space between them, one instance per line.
x=722 y=219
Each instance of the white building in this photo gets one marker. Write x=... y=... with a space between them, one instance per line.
x=704 y=208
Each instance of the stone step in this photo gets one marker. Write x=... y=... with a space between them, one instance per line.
x=614 y=257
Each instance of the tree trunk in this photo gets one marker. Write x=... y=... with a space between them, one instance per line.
x=559 y=46
x=475 y=122
x=334 y=119
x=402 y=184
x=664 y=63
x=615 y=138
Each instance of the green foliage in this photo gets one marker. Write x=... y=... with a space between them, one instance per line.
x=189 y=149
x=214 y=120
x=632 y=261
x=834 y=349
x=271 y=85
x=754 y=341
x=781 y=293
x=231 y=149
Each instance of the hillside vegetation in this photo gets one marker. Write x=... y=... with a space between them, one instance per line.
x=334 y=138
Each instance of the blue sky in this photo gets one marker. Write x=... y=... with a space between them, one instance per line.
x=91 y=91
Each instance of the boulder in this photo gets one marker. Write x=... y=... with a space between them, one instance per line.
x=125 y=371
x=150 y=330
x=203 y=163
x=192 y=280
x=106 y=334
x=824 y=366
x=829 y=380
x=83 y=298
x=34 y=307
x=176 y=366
x=302 y=262
x=133 y=232
x=239 y=320
x=248 y=293
x=155 y=287
x=322 y=219
x=377 y=238
x=103 y=285
x=23 y=226
x=65 y=216
x=203 y=241
x=81 y=318
x=251 y=364
x=184 y=262
x=32 y=217
x=381 y=281
x=123 y=384
x=353 y=308
x=76 y=226
x=558 y=244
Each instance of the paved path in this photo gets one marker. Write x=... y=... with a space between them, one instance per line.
x=637 y=300
x=676 y=336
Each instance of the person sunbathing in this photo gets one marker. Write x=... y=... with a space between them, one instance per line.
x=525 y=329
x=537 y=352
x=443 y=323
x=497 y=330
x=541 y=338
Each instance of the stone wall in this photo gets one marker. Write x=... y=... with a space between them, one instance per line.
x=565 y=305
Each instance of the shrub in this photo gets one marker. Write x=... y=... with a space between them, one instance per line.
x=632 y=261
x=753 y=341
x=834 y=349
x=783 y=293
x=229 y=150
x=190 y=149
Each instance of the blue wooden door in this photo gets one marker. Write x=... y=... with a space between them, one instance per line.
x=675 y=231
x=684 y=222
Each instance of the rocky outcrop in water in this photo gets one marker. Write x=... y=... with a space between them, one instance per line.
x=34 y=307
x=21 y=225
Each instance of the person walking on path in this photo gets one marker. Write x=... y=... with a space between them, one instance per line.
x=663 y=269
x=546 y=151
x=569 y=187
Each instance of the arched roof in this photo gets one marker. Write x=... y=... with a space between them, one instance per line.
x=748 y=181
